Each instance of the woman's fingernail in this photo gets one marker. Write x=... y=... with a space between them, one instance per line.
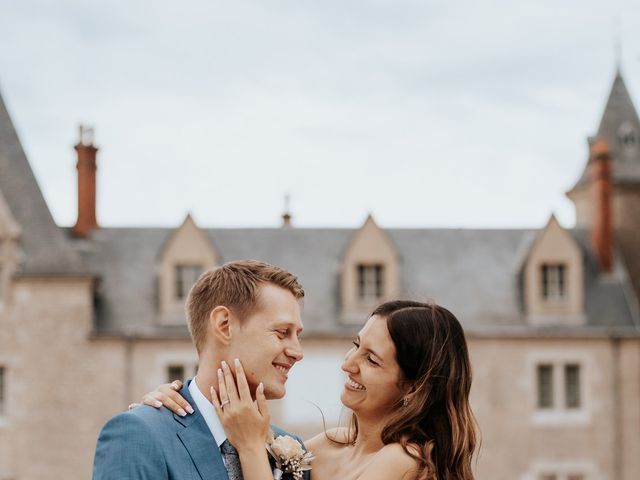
x=182 y=413
x=237 y=362
x=219 y=372
x=157 y=404
x=261 y=387
x=224 y=364
x=189 y=409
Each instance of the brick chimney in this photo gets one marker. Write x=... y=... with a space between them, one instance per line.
x=601 y=186
x=86 y=183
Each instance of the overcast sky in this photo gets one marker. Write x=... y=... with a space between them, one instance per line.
x=427 y=114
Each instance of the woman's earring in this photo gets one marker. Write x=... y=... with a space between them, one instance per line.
x=405 y=402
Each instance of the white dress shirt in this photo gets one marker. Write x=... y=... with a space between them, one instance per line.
x=208 y=412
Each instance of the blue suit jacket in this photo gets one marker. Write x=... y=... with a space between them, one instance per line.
x=150 y=444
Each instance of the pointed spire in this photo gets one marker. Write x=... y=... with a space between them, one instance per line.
x=620 y=127
x=618 y=111
x=45 y=247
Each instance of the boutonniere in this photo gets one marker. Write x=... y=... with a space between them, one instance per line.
x=288 y=456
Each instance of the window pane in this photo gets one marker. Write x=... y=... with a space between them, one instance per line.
x=553 y=281
x=572 y=386
x=361 y=281
x=561 y=276
x=2 y=393
x=175 y=372
x=379 y=269
x=370 y=282
x=186 y=276
x=545 y=386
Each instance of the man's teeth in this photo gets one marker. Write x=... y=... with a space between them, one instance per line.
x=355 y=385
x=282 y=369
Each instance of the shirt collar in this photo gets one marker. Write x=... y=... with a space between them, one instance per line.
x=208 y=412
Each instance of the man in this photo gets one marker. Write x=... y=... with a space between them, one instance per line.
x=246 y=309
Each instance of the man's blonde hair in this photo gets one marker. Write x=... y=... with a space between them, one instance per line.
x=235 y=285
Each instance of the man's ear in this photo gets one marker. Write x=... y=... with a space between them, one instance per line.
x=220 y=324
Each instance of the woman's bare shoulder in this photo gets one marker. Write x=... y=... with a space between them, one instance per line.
x=392 y=462
x=396 y=450
x=331 y=438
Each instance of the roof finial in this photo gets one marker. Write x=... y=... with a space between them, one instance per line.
x=617 y=42
x=286 y=216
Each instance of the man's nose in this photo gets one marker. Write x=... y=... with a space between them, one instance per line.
x=294 y=350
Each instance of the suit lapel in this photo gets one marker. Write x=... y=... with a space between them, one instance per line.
x=199 y=442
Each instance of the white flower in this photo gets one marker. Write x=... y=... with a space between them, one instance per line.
x=287 y=447
x=289 y=456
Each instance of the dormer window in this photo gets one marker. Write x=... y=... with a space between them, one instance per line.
x=370 y=272
x=553 y=281
x=627 y=136
x=187 y=253
x=185 y=277
x=370 y=282
x=553 y=278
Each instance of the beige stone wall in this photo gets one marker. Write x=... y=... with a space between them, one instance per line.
x=629 y=378
x=519 y=442
x=61 y=386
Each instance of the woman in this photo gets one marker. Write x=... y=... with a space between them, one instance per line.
x=408 y=384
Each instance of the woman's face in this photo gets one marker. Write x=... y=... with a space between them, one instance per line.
x=373 y=375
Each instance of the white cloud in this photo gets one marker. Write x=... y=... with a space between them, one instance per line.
x=426 y=113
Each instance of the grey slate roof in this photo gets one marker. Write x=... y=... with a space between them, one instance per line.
x=475 y=273
x=45 y=247
x=619 y=111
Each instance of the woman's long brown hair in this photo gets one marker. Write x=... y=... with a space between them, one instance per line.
x=433 y=422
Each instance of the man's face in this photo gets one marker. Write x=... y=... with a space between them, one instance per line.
x=267 y=341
